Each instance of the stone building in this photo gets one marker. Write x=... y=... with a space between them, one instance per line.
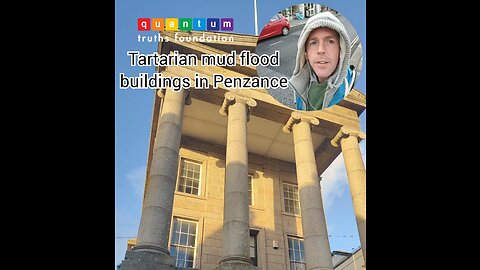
x=232 y=177
x=348 y=260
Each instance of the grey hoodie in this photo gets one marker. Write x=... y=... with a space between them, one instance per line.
x=299 y=83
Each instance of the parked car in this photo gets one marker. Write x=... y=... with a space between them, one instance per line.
x=278 y=25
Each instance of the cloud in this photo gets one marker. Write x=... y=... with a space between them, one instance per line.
x=136 y=178
x=334 y=180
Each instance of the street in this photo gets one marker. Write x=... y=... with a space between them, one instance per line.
x=287 y=45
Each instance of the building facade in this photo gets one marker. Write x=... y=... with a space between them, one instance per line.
x=232 y=177
x=348 y=261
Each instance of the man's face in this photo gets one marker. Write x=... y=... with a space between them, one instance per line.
x=323 y=52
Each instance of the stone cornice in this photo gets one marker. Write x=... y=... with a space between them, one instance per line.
x=345 y=132
x=297 y=117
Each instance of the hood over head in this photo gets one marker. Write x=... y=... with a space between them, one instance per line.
x=325 y=19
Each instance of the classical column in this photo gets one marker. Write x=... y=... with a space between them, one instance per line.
x=236 y=225
x=317 y=246
x=349 y=139
x=151 y=249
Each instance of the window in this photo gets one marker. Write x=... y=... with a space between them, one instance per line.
x=291 y=199
x=182 y=246
x=253 y=247
x=296 y=253
x=250 y=190
x=189 y=180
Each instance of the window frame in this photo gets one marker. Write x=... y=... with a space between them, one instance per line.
x=254 y=233
x=284 y=209
x=287 y=250
x=195 y=248
x=179 y=171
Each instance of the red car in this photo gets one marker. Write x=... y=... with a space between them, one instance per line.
x=278 y=25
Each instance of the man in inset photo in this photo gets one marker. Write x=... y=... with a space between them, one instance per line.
x=322 y=76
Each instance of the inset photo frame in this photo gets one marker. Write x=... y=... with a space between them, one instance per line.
x=320 y=53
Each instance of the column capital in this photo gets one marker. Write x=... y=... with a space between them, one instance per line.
x=161 y=94
x=345 y=132
x=297 y=117
x=231 y=98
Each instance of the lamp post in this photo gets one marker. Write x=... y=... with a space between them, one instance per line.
x=256 y=22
